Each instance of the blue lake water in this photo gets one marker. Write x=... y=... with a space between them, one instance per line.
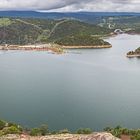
x=84 y=88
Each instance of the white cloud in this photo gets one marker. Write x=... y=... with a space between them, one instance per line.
x=72 y=5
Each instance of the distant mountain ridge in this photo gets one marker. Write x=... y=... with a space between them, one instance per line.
x=54 y=15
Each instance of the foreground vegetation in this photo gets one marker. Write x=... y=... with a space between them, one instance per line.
x=118 y=131
x=12 y=128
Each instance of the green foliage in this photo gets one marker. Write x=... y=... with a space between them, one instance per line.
x=2 y=124
x=11 y=130
x=35 y=132
x=44 y=129
x=30 y=31
x=74 y=27
x=118 y=131
x=5 y=22
x=54 y=132
x=84 y=131
x=135 y=137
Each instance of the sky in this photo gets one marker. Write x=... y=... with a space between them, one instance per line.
x=72 y=5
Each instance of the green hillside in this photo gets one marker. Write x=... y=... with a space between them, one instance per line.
x=31 y=31
x=73 y=27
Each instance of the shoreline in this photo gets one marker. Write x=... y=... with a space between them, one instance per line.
x=42 y=47
x=87 y=47
x=54 y=48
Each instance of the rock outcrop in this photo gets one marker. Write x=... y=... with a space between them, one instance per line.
x=135 y=53
x=94 y=136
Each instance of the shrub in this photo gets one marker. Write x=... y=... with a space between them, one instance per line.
x=44 y=129
x=84 y=131
x=2 y=124
x=35 y=132
x=108 y=129
x=11 y=130
x=54 y=132
x=136 y=137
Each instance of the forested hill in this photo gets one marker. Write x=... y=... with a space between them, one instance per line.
x=58 y=15
x=28 y=27
x=31 y=31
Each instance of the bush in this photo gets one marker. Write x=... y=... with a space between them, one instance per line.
x=11 y=130
x=2 y=124
x=108 y=129
x=1 y=133
x=54 y=132
x=44 y=129
x=35 y=132
x=136 y=137
x=84 y=131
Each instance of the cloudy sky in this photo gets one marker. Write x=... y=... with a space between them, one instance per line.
x=72 y=5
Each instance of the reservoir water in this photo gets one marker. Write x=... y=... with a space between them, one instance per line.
x=84 y=88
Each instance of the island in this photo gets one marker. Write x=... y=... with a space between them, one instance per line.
x=135 y=53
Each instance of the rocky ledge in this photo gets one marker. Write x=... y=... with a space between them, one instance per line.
x=94 y=136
